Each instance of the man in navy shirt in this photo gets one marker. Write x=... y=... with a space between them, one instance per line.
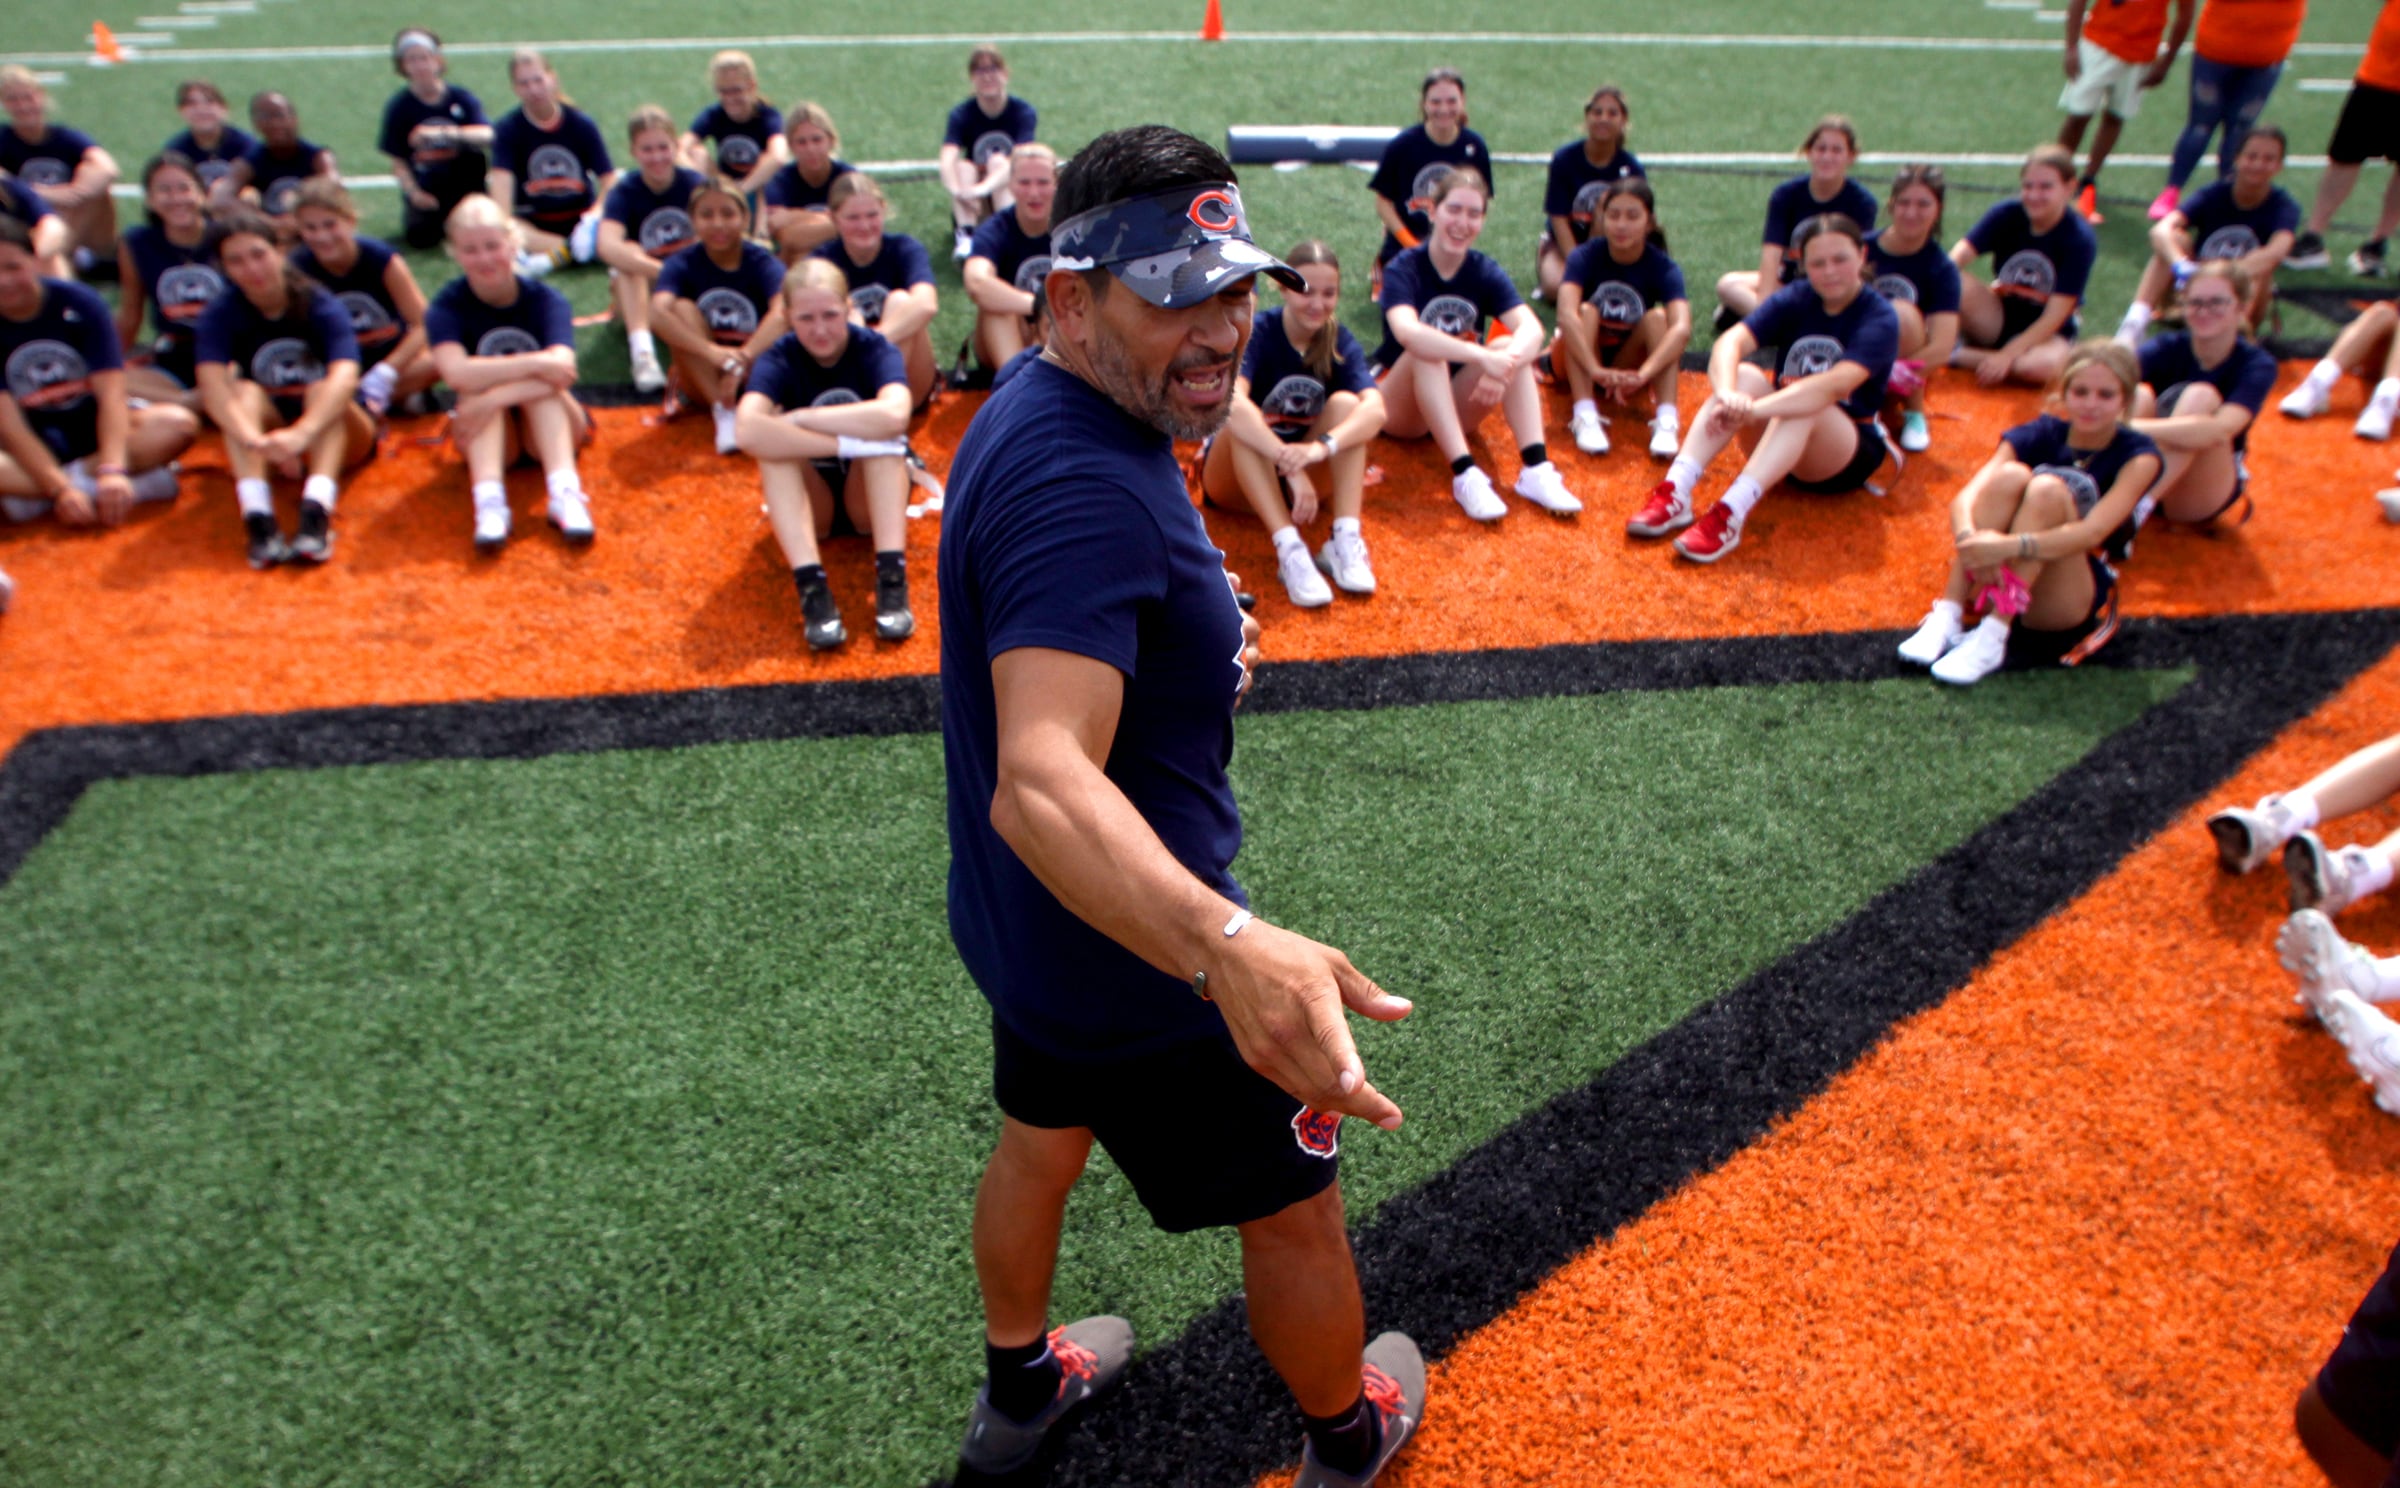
x=1092 y=657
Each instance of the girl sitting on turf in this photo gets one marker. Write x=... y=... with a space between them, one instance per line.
x=551 y=167
x=1012 y=257
x=436 y=137
x=1813 y=422
x=798 y=199
x=2201 y=388
x=2040 y=529
x=2246 y=217
x=271 y=173
x=168 y=268
x=719 y=306
x=1623 y=318
x=2022 y=324
x=506 y=346
x=1830 y=150
x=71 y=443
x=826 y=414
x=375 y=289
x=646 y=221
x=1303 y=399
x=63 y=165
x=1580 y=170
x=738 y=139
x=976 y=143
x=1910 y=270
x=207 y=141
x=1436 y=300
x=2326 y=880
x=2365 y=346
x=891 y=279
x=278 y=366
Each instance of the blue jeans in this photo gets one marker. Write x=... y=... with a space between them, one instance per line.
x=2221 y=94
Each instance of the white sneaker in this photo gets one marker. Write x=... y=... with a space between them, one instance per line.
x=1975 y=657
x=1915 y=437
x=1590 y=431
x=1665 y=438
x=2312 y=950
x=2373 y=1043
x=491 y=528
x=2306 y=401
x=962 y=245
x=1934 y=638
x=1540 y=484
x=2389 y=500
x=1301 y=580
x=2326 y=880
x=583 y=244
x=727 y=442
x=532 y=265
x=571 y=514
x=2246 y=836
x=1474 y=494
x=1344 y=559
x=2374 y=422
x=648 y=375
x=8 y=591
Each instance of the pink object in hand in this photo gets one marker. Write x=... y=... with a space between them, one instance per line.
x=2007 y=597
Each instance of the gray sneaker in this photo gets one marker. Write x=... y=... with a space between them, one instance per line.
x=1091 y=1354
x=1396 y=1388
x=2245 y=836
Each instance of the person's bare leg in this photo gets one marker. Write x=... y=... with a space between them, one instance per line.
x=1019 y=1207
x=1305 y=1310
x=2360 y=780
x=2346 y=1461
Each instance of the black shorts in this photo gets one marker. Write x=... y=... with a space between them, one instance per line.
x=2018 y=313
x=2032 y=649
x=2369 y=128
x=1206 y=1141
x=1854 y=475
x=2360 y=1383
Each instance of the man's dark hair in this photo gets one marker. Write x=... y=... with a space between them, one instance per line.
x=1126 y=163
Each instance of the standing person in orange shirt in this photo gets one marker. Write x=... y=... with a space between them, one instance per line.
x=2236 y=59
x=2113 y=57
x=2369 y=129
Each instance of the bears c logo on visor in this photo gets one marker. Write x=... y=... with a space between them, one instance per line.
x=1213 y=211
x=1319 y=1133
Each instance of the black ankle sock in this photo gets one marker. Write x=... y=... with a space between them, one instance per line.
x=891 y=565
x=1462 y=464
x=2088 y=180
x=808 y=576
x=1024 y=1380
x=2372 y=245
x=1347 y=1442
x=1536 y=453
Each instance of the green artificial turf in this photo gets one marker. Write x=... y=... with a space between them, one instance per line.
x=614 y=1118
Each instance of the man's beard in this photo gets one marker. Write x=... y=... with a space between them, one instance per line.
x=1114 y=371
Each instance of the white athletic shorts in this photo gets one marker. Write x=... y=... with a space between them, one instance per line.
x=2109 y=84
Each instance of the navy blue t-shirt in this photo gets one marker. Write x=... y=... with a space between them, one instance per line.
x=212 y=164
x=2034 y=266
x=788 y=188
x=1457 y=306
x=899 y=264
x=2042 y=444
x=1015 y=365
x=1811 y=341
x=791 y=378
x=375 y=317
x=1623 y=293
x=658 y=222
x=1281 y=384
x=980 y=136
x=538 y=320
x=739 y=143
x=2246 y=376
x=558 y=170
x=731 y=301
x=2222 y=228
x=22 y=201
x=1792 y=204
x=180 y=283
x=1067 y=526
x=1411 y=163
x=48 y=363
x=1926 y=278
x=278 y=175
x=1575 y=186
x=50 y=163
x=441 y=169
x=1020 y=258
x=286 y=356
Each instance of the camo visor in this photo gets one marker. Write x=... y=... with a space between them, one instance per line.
x=1174 y=248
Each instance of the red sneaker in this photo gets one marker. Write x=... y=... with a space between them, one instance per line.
x=1719 y=533
x=2087 y=202
x=1662 y=513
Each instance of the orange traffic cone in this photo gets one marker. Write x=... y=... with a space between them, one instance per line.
x=1212 y=28
x=105 y=50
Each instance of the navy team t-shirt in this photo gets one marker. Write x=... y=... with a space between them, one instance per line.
x=739 y=143
x=788 y=188
x=900 y=264
x=1067 y=526
x=657 y=222
x=1812 y=341
x=1791 y=204
x=2246 y=376
x=1575 y=186
x=791 y=378
x=1281 y=384
x=1457 y=306
x=278 y=175
x=22 y=201
x=363 y=295
x=211 y=164
x=2223 y=228
x=179 y=282
x=1411 y=163
x=537 y=320
x=2034 y=266
x=1926 y=278
x=49 y=163
x=556 y=169
x=48 y=363
x=444 y=170
x=980 y=136
x=286 y=356
x=1623 y=292
x=731 y=301
x=2088 y=473
x=1020 y=258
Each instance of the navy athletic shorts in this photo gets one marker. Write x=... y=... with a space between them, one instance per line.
x=2360 y=1384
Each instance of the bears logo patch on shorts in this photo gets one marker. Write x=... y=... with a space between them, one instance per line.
x=1319 y=1133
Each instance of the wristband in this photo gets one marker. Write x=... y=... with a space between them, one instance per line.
x=846 y=447
x=1331 y=448
x=2025 y=546
x=732 y=363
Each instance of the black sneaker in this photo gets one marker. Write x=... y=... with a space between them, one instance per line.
x=2367 y=262
x=267 y=547
x=313 y=543
x=894 y=621
x=1727 y=319
x=821 y=618
x=2308 y=252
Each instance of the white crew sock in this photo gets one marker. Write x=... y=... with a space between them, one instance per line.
x=2300 y=806
x=1743 y=494
x=725 y=435
x=319 y=489
x=1289 y=540
x=2137 y=318
x=1587 y=405
x=1951 y=607
x=2323 y=376
x=565 y=482
x=2387 y=394
x=641 y=343
x=256 y=497
x=1667 y=414
x=2370 y=871
x=490 y=493
x=1683 y=473
x=1346 y=524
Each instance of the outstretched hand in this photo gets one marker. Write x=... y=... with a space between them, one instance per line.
x=1284 y=997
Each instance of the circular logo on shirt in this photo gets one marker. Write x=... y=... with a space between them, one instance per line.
x=989 y=145
x=666 y=230
x=868 y=300
x=737 y=152
x=507 y=341
x=186 y=289
x=1294 y=403
x=1420 y=191
x=833 y=398
x=1450 y=314
x=285 y=363
x=1810 y=355
x=1587 y=201
x=368 y=319
x=2236 y=241
x=49 y=376
x=1032 y=272
x=728 y=314
x=554 y=170
x=43 y=171
x=1619 y=303
x=277 y=198
x=2080 y=485
x=1898 y=288
x=2030 y=271
x=212 y=171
